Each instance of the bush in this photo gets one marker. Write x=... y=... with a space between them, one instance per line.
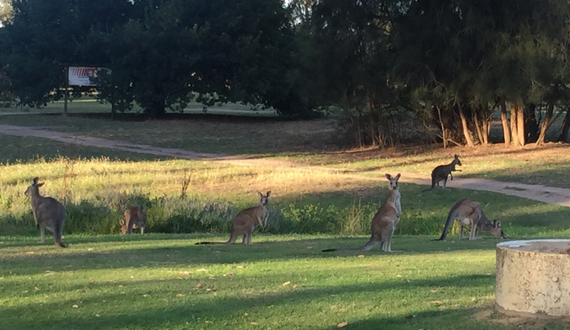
x=101 y=215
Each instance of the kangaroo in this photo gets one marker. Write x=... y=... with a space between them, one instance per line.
x=384 y=221
x=246 y=220
x=469 y=212
x=48 y=213
x=441 y=172
x=135 y=217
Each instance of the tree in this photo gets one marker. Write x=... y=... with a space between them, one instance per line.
x=45 y=36
x=6 y=13
x=222 y=51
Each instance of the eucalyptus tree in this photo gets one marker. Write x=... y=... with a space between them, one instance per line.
x=219 y=51
x=46 y=35
x=6 y=12
x=352 y=65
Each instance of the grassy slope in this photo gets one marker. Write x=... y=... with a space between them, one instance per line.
x=88 y=180
x=138 y=282
x=279 y=283
x=303 y=141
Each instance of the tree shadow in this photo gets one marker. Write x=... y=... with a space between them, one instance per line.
x=181 y=250
x=189 y=312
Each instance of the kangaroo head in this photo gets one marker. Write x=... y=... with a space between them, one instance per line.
x=456 y=160
x=497 y=230
x=124 y=226
x=264 y=199
x=393 y=181
x=34 y=188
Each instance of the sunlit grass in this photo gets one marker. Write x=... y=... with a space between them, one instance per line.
x=284 y=282
x=164 y=281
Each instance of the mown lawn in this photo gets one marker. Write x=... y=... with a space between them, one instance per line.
x=164 y=281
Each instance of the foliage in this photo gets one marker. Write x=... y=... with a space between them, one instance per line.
x=440 y=60
x=44 y=36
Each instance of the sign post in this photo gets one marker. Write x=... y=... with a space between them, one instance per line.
x=65 y=95
x=77 y=76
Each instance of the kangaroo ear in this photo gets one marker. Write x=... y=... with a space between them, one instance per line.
x=122 y=222
x=260 y=194
x=497 y=223
x=397 y=176
x=268 y=193
x=39 y=184
x=388 y=176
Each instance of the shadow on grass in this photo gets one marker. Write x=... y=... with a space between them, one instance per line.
x=228 y=311
x=177 y=251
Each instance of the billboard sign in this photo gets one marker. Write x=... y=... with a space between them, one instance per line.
x=81 y=76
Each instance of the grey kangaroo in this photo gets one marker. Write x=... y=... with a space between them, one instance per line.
x=48 y=213
x=246 y=220
x=441 y=172
x=469 y=212
x=135 y=217
x=384 y=221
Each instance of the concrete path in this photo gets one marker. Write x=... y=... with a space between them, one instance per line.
x=551 y=195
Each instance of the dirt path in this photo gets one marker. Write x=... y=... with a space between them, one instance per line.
x=541 y=193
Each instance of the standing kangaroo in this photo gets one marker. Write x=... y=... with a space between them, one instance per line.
x=384 y=221
x=441 y=172
x=246 y=220
x=469 y=212
x=48 y=213
x=135 y=217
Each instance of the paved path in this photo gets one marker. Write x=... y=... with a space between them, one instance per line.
x=541 y=193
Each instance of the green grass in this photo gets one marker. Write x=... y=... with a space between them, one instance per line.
x=96 y=190
x=548 y=165
x=285 y=282
x=156 y=281
x=88 y=104
x=219 y=134
x=16 y=149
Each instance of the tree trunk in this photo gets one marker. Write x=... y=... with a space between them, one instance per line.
x=521 y=125
x=514 y=131
x=486 y=129
x=113 y=110
x=481 y=125
x=444 y=131
x=545 y=124
x=477 y=126
x=505 y=122
x=466 y=131
x=565 y=126
x=530 y=123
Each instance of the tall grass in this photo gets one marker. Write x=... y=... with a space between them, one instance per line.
x=194 y=196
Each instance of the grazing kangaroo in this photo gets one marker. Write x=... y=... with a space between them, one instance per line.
x=384 y=221
x=135 y=217
x=246 y=220
x=441 y=172
x=48 y=213
x=469 y=212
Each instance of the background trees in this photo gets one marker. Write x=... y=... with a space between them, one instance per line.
x=450 y=66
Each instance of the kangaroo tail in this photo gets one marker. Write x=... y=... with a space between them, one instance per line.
x=57 y=234
x=348 y=249
x=432 y=184
x=210 y=243
x=369 y=245
x=448 y=223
